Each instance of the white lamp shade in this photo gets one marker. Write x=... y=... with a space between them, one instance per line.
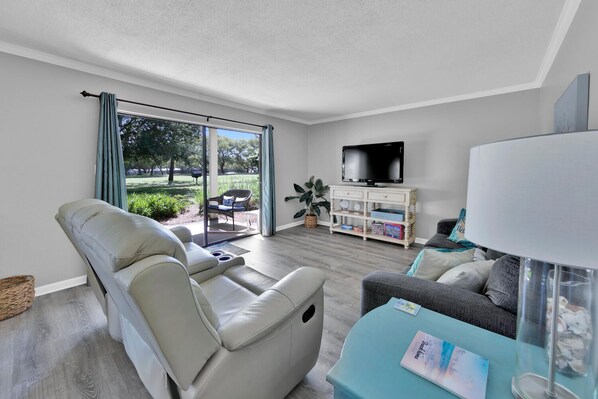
x=537 y=197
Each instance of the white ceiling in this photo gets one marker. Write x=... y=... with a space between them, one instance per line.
x=307 y=60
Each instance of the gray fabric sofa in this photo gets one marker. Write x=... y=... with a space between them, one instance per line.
x=467 y=306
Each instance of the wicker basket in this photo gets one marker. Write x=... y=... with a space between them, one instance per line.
x=311 y=221
x=16 y=295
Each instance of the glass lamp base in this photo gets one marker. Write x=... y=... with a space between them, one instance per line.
x=533 y=386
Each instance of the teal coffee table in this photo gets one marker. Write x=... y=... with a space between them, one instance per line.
x=369 y=367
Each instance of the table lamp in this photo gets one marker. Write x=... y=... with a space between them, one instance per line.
x=537 y=198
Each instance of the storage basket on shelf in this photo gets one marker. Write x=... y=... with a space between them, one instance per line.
x=16 y=295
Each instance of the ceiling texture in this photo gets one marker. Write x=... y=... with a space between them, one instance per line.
x=309 y=61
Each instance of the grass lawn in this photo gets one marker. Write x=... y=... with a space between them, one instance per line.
x=185 y=185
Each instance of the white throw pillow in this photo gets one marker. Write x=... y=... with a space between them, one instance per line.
x=479 y=254
x=434 y=263
x=470 y=276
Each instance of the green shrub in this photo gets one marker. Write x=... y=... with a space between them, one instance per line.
x=156 y=206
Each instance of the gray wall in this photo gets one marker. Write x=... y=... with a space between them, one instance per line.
x=47 y=157
x=577 y=55
x=47 y=153
x=437 y=142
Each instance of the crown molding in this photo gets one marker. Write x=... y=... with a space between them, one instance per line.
x=558 y=37
x=427 y=103
x=156 y=83
x=169 y=86
x=556 y=41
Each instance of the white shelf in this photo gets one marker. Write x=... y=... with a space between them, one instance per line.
x=370 y=198
x=351 y=232
x=349 y=214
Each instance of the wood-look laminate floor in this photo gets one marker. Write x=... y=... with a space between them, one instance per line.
x=60 y=348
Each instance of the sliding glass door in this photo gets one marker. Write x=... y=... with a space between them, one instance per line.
x=233 y=184
x=178 y=174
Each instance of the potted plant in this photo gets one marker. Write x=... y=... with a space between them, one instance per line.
x=313 y=197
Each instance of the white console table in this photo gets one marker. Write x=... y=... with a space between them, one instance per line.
x=362 y=200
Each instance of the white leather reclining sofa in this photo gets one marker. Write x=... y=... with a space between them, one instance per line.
x=194 y=327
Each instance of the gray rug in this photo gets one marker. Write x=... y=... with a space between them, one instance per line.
x=228 y=247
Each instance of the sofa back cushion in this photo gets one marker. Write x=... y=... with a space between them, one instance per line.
x=120 y=239
x=503 y=283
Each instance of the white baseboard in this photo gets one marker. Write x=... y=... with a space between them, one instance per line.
x=289 y=225
x=60 y=285
x=324 y=223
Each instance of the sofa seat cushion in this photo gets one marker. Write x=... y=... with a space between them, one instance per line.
x=198 y=259
x=226 y=297
x=251 y=279
x=227 y=208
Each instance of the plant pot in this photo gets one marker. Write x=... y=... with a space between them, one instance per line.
x=311 y=221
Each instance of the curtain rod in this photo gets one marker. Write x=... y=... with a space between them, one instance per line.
x=208 y=117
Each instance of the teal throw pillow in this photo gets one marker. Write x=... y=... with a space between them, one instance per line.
x=458 y=233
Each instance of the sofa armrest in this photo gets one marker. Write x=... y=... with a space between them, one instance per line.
x=467 y=306
x=182 y=233
x=446 y=226
x=272 y=308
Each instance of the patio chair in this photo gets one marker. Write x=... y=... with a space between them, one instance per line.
x=239 y=202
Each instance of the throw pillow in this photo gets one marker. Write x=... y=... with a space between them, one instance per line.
x=479 y=255
x=470 y=276
x=228 y=201
x=503 y=283
x=458 y=233
x=431 y=263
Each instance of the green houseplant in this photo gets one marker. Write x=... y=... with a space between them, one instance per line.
x=313 y=197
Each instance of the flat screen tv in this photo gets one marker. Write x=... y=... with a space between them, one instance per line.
x=373 y=163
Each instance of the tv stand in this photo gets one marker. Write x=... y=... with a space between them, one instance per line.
x=362 y=201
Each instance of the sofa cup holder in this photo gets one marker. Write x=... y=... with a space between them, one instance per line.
x=223 y=256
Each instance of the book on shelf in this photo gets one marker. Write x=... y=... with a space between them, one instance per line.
x=377 y=228
x=455 y=369
x=394 y=230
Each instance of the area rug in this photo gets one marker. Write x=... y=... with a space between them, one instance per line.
x=228 y=247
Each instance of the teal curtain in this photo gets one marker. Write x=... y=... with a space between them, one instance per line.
x=110 y=166
x=268 y=201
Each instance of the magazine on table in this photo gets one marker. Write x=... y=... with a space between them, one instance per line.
x=408 y=307
x=455 y=369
